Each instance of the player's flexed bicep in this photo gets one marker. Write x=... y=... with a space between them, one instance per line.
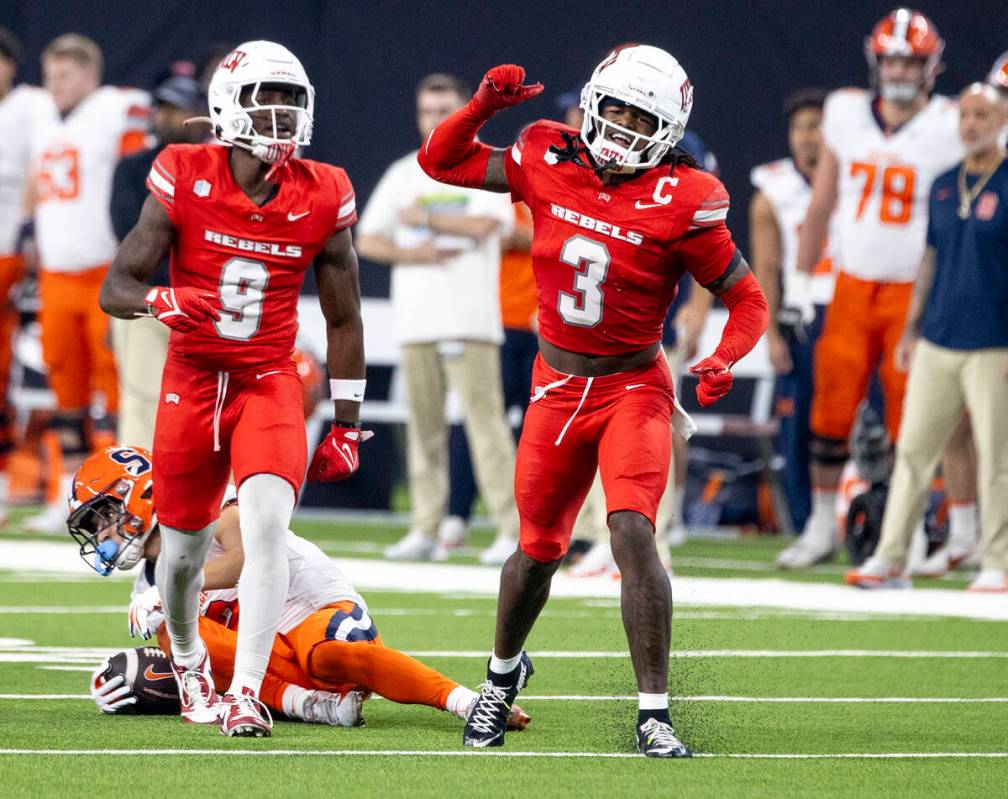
x=451 y=153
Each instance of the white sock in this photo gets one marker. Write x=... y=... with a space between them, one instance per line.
x=292 y=700
x=265 y=505
x=963 y=525
x=821 y=525
x=459 y=700
x=179 y=577
x=652 y=701
x=504 y=666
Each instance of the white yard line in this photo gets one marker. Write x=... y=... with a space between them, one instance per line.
x=60 y=610
x=811 y=700
x=486 y=753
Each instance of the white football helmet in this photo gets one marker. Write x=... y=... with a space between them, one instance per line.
x=253 y=65
x=647 y=78
x=998 y=77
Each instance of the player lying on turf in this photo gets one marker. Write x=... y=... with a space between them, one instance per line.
x=620 y=216
x=327 y=657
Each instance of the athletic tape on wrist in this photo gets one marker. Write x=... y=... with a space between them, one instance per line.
x=352 y=390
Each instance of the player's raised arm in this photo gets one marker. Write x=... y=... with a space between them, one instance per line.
x=339 y=295
x=125 y=293
x=451 y=153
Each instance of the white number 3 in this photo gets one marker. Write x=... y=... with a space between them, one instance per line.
x=242 y=291
x=591 y=260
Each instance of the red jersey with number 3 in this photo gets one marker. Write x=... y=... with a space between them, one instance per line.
x=253 y=257
x=608 y=259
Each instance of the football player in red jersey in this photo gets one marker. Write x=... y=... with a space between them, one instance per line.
x=620 y=215
x=243 y=223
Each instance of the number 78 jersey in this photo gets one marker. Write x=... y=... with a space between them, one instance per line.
x=608 y=259
x=253 y=257
x=883 y=182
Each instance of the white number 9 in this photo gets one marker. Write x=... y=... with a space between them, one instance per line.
x=242 y=291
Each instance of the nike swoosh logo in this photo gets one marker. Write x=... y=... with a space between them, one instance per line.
x=347 y=454
x=641 y=206
x=295 y=217
x=264 y=374
x=635 y=385
x=150 y=674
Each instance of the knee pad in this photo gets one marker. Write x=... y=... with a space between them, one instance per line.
x=828 y=451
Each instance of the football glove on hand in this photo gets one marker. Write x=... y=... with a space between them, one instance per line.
x=715 y=379
x=183 y=309
x=336 y=457
x=113 y=694
x=144 y=613
x=502 y=87
x=801 y=292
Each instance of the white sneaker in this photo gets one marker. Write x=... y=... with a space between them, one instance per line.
x=499 y=551
x=877 y=572
x=597 y=562
x=936 y=565
x=51 y=520
x=452 y=534
x=810 y=548
x=993 y=581
x=415 y=545
x=325 y=707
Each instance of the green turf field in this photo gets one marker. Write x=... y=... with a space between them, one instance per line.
x=841 y=723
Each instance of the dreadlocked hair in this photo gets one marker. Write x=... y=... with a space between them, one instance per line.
x=575 y=150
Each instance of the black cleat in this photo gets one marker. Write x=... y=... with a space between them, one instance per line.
x=489 y=716
x=657 y=739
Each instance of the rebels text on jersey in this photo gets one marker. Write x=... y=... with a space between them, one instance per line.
x=608 y=259
x=253 y=256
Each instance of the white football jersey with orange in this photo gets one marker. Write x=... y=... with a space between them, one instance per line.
x=21 y=112
x=74 y=159
x=884 y=180
x=789 y=193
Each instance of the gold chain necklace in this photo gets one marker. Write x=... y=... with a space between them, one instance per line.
x=967 y=196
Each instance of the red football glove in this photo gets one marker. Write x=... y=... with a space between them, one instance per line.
x=715 y=379
x=183 y=309
x=502 y=87
x=336 y=457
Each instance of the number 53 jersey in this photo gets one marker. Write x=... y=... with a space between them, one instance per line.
x=608 y=259
x=883 y=181
x=253 y=257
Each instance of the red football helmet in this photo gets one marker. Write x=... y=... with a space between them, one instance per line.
x=310 y=372
x=905 y=32
x=998 y=77
x=113 y=491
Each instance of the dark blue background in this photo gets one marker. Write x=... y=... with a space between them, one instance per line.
x=365 y=58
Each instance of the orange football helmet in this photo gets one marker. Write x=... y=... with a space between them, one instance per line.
x=310 y=372
x=998 y=77
x=113 y=492
x=906 y=32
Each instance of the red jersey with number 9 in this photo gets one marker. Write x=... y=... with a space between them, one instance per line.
x=608 y=259
x=253 y=257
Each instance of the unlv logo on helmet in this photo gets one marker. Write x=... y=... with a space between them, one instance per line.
x=686 y=94
x=232 y=60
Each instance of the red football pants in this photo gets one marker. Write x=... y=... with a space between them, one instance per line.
x=210 y=424
x=619 y=424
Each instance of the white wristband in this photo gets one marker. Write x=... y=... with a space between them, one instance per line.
x=352 y=390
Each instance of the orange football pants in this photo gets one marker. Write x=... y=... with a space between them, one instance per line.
x=11 y=272
x=76 y=339
x=309 y=657
x=863 y=324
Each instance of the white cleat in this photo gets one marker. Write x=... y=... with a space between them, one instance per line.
x=675 y=534
x=325 y=707
x=51 y=520
x=452 y=534
x=877 y=572
x=990 y=581
x=807 y=551
x=597 y=562
x=500 y=550
x=415 y=545
x=937 y=564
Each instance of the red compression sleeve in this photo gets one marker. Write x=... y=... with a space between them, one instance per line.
x=451 y=153
x=747 y=319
